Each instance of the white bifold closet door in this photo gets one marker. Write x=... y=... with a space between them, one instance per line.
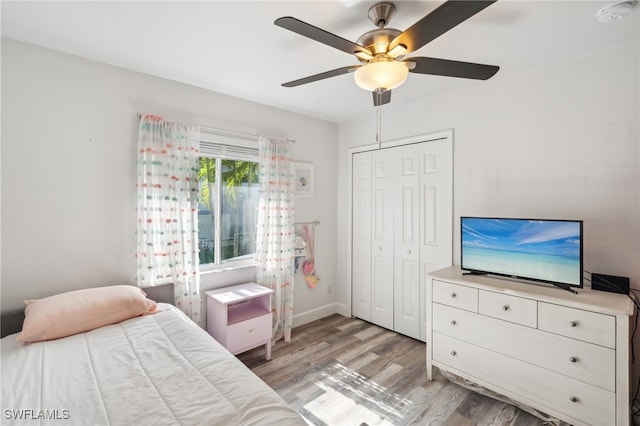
x=382 y=252
x=361 y=236
x=402 y=230
x=406 y=256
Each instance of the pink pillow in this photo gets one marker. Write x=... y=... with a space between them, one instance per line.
x=82 y=310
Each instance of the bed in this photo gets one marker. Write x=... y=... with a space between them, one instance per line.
x=155 y=369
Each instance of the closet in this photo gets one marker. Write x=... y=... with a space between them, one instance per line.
x=401 y=230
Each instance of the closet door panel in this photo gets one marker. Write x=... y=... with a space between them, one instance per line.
x=406 y=242
x=382 y=248
x=361 y=232
x=436 y=208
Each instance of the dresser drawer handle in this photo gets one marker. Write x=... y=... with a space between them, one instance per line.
x=573 y=359
x=453 y=322
x=453 y=295
x=505 y=308
x=573 y=324
x=573 y=399
x=251 y=332
x=454 y=353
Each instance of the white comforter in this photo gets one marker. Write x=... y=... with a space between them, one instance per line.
x=160 y=369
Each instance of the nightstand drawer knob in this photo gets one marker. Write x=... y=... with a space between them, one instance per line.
x=505 y=308
x=573 y=399
x=454 y=353
x=453 y=295
x=251 y=332
x=453 y=322
x=573 y=324
x=573 y=359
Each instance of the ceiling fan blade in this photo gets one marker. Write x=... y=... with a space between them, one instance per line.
x=321 y=76
x=381 y=98
x=451 y=68
x=438 y=22
x=320 y=35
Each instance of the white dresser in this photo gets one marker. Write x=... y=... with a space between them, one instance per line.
x=561 y=353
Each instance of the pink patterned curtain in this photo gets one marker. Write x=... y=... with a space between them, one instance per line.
x=275 y=233
x=168 y=209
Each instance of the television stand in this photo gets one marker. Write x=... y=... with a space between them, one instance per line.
x=562 y=354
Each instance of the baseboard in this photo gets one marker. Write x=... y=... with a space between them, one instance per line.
x=316 y=314
x=343 y=310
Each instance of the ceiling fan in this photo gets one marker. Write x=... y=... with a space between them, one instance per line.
x=382 y=51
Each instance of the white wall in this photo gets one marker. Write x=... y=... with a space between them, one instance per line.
x=555 y=142
x=69 y=130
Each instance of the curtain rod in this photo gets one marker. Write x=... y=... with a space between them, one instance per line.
x=313 y=222
x=235 y=132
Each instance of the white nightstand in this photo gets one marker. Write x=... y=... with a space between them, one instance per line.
x=239 y=317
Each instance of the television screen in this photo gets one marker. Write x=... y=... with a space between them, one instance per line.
x=541 y=250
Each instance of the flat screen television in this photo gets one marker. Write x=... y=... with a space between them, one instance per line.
x=542 y=250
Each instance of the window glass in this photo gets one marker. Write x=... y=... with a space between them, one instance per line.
x=228 y=203
x=207 y=209
x=238 y=208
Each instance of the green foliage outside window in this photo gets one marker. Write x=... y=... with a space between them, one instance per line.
x=239 y=184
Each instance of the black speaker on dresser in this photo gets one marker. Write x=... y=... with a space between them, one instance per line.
x=610 y=283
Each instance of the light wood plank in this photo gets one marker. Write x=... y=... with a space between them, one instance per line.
x=344 y=371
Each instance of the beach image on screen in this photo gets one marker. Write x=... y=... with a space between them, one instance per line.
x=538 y=249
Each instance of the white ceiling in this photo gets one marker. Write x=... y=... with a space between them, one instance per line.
x=233 y=47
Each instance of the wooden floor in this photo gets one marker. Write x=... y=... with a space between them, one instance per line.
x=344 y=371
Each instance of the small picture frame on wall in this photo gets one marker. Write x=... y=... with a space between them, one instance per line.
x=303 y=179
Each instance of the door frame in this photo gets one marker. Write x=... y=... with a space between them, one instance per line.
x=427 y=137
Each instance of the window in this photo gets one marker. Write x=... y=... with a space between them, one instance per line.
x=227 y=202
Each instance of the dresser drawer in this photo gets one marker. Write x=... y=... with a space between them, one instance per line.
x=587 y=403
x=248 y=333
x=578 y=324
x=509 y=308
x=583 y=361
x=455 y=295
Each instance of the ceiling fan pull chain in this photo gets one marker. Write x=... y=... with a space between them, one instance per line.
x=379 y=126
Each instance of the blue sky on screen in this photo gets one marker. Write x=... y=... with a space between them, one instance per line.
x=530 y=236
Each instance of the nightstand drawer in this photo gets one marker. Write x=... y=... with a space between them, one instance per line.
x=458 y=296
x=509 y=308
x=248 y=333
x=588 y=326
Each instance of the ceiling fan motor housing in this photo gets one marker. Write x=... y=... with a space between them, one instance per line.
x=377 y=41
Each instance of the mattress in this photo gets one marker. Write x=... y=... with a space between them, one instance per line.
x=159 y=369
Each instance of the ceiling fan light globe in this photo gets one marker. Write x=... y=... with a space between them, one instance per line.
x=381 y=75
